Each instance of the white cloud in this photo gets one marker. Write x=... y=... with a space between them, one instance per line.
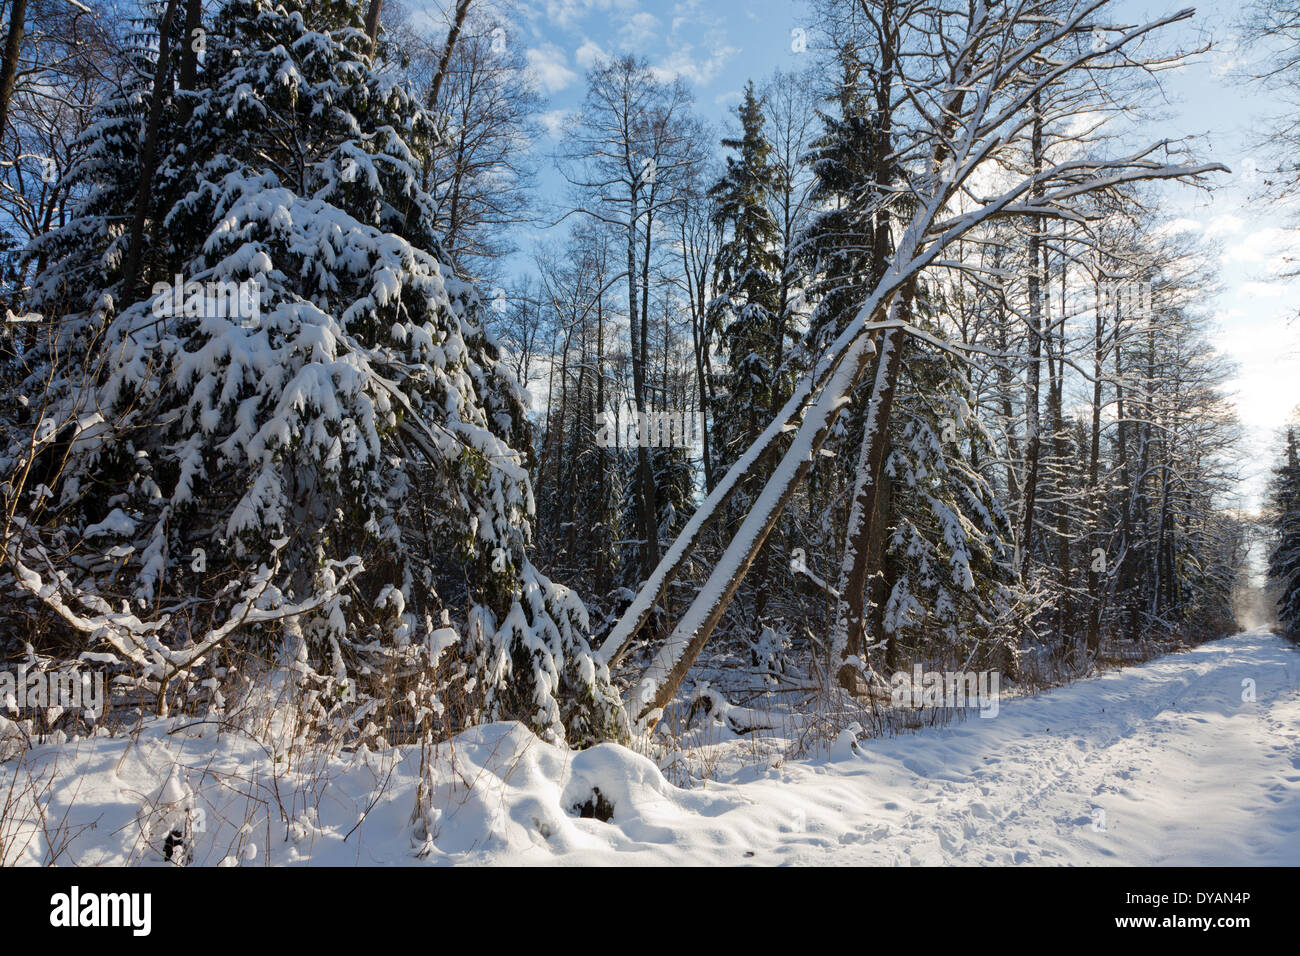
x=1226 y=56
x=1225 y=225
x=1176 y=227
x=700 y=70
x=1262 y=290
x=553 y=122
x=685 y=12
x=640 y=29
x=549 y=65
x=1273 y=248
x=564 y=13
x=589 y=54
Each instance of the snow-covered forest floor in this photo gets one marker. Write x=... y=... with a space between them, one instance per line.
x=415 y=450
x=1169 y=762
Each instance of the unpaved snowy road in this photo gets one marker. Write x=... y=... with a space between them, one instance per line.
x=1170 y=762
x=1164 y=763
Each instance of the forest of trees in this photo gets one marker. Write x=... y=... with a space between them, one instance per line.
x=903 y=365
x=1284 y=523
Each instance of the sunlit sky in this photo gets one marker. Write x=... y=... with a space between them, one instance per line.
x=717 y=45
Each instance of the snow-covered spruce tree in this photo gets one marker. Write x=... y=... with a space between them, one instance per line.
x=947 y=588
x=744 y=315
x=353 y=405
x=837 y=244
x=748 y=315
x=1284 y=559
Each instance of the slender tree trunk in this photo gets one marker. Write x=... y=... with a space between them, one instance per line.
x=1004 y=390
x=453 y=211
x=435 y=90
x=564 y=460
x=699 y=344
x=650 y=490
x=548 y=447
x=882 y=583
x=1122 y=575
x=602 y=485
x=1139 y=502
x=850 y=629
x=190 y=50
x=372 y=23
x=1060 y=451
x=13 y=49
x=1094 y=468
x=148 y=161
x=647 y=510
x=444 y=61
x=1033 y=442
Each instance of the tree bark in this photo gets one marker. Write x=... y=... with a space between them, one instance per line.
x=189 y=54
x=453 y=35
x=647 y=517
x=372 y=23
x=645 y=469
x=9 y=66
x=1033 y=443
x=1060 y=452
x=1094 y=466
x=148 y=163
x=851 y=623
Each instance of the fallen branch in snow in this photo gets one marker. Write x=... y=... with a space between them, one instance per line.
x=740 y=720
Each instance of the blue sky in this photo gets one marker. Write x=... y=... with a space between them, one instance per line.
x=716 y=45
x=1256 y=310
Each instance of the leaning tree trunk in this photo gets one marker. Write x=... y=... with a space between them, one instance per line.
x=453 y=35
x=665 y=675
x=435 y=91
x=654 y=587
